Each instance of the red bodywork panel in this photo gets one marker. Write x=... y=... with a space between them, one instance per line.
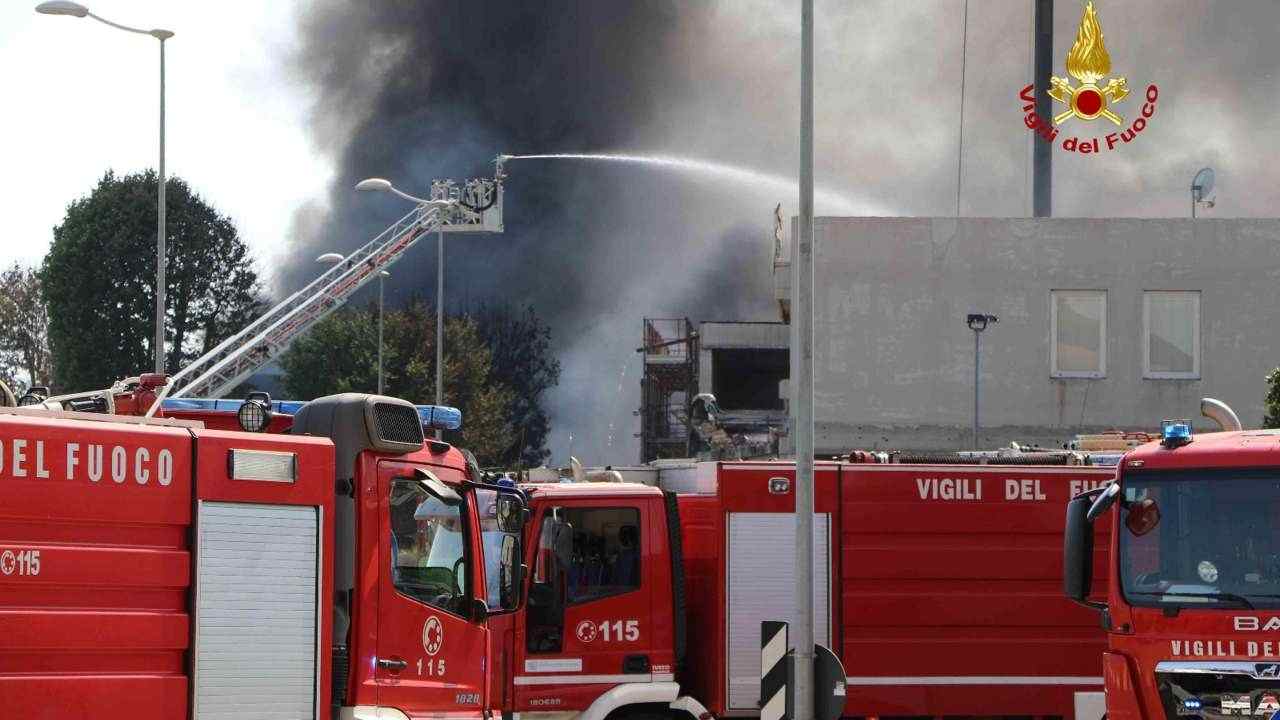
x=945 y=586
x=100 y=626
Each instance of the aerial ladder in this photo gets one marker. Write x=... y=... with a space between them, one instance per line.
x=474 y=206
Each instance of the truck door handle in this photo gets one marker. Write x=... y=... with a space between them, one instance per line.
x=392 y=665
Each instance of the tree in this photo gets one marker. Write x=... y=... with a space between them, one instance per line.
x=1272 y=402
x=99 y=281
x=24 y=329
x=313 y=369
x=521 y=347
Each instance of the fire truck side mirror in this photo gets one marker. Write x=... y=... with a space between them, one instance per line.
x=511 y=513
x=1077 y=551
x=510 y=573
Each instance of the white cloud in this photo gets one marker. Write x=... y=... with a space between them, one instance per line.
x=83 y=97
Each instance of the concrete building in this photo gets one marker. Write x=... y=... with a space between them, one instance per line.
x=1107 y=323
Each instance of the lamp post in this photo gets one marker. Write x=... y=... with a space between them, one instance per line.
x=977 y=323
x=72 y=9
x=381 y=185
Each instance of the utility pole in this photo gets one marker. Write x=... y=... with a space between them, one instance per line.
x=1041 y=151
x=802 y=340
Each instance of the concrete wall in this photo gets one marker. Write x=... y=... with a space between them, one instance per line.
x=894 y=358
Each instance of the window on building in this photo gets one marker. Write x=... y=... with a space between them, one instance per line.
x=1078 y=328
x=747 y=379
x=428 y=548
x=1171 y=335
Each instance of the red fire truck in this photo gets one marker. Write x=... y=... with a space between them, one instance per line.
x=1192 y=609
x=343 y=565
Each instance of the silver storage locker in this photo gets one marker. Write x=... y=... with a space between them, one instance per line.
x=257 y=594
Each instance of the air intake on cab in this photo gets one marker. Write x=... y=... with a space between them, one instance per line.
x=396 y=426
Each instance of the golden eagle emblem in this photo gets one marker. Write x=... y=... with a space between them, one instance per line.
x=1089 y=63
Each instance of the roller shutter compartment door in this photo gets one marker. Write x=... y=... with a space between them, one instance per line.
x=256 y=600
x=762 y=561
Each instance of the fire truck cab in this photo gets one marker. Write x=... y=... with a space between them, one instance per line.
x=1192 y=606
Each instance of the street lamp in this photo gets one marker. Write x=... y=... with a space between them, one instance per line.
x=977 y=323
x=381 y=185
x=72 y=9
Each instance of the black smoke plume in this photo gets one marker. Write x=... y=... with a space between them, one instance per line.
x=412 y=91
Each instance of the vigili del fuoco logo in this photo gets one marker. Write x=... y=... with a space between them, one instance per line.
x=1089 y=63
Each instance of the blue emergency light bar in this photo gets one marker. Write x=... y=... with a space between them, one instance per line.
x=434 y=417
x=284 y=407
x=1175 y=433
x=440 y=417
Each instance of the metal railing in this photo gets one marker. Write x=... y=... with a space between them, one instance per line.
x=266 y=338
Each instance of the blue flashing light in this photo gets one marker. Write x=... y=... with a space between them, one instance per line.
x=440 y=417
x=1175 y=432
x=283 y=407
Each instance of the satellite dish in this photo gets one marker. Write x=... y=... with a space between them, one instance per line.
x=1202 y=184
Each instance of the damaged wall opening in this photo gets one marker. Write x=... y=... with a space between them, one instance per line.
x=747 y=379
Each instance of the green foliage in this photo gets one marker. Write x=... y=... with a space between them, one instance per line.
x=522 y=360
x=24 y=329
x=99 y=281
x=339 y=354
x=1272 y=403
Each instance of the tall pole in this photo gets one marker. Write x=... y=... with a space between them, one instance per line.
x=1042 y=152
x=381 y=277
x=160 y=249
x=440 y=323
x=803 y=339
x=977 y=380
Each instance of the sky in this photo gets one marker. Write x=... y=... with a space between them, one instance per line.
x=274 y=109
x=84 y=97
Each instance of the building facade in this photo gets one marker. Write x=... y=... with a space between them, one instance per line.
x=1102 y=323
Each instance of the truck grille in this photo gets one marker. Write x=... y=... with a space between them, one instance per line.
x=398 y=423
x=1219 y=690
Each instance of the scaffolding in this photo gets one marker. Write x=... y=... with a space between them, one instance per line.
x=669 y=383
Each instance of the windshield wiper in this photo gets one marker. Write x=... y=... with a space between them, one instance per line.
x=1229 y=597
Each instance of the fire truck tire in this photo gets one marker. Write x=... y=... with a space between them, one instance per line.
x=642 y=712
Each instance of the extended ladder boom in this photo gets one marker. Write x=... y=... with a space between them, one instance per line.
x=237 y=357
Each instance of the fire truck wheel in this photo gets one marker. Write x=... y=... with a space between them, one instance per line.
x=644 y=712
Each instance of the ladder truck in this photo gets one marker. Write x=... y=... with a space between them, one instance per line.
x=473 y=206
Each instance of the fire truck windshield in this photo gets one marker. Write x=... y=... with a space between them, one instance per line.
x=1194 y=538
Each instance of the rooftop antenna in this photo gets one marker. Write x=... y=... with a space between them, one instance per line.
x=1201 y=186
